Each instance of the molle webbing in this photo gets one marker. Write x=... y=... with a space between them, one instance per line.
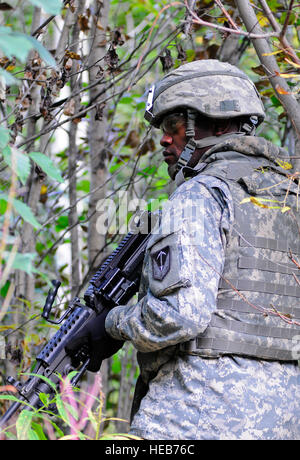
x=252 y=329
x=244 y=307
x=269 y=243
x=258 y=311
x=261 y=286
x=267 y=265
x=224 y=347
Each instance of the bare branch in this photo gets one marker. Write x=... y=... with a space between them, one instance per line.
x=241 y=32
x=267 y=59
x=283 y=40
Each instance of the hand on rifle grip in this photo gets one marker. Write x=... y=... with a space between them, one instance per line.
x=100 y=344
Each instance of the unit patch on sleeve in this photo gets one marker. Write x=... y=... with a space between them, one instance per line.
x=161 y=263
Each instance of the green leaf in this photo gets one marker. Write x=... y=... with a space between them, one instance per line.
x=37 y=432
x=8 y=78
x=21 y=162
x=17 y=44
x=4 y=289
x=61 y=409
x=14 y=44
x=42 y=377
x=4 y=137
x=126 y=100
x=44 y=54
x=24 y=262
x=33 y=436
x=25 y=212
x=22 y=209
x=50 y=6
x=149 y=171
x=59 y=432
x=62 y=223
x=10 y=398
x=23 y=424
x=84 y=186
x=275 y=101
x=45 y=398
x=46 y=165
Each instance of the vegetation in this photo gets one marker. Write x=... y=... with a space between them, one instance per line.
x=73 y=82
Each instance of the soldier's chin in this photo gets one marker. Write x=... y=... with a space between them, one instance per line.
x=172 y=171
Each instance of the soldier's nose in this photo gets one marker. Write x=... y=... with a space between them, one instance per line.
x=166 y=140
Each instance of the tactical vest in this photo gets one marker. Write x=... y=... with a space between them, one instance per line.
x=258 y=297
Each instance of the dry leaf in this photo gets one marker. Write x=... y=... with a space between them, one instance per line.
x=297 y=66
x=257 y=202
x=259 y=70
x=281 y=90
x=72 y=55
x=69 y=109
x=288 y=75
x=83 y=23
x=68 y=64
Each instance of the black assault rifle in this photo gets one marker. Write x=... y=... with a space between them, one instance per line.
x=115 y=283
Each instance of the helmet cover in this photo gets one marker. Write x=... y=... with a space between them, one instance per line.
x=213 y=88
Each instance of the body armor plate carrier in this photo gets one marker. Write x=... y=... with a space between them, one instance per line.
x=258 y=310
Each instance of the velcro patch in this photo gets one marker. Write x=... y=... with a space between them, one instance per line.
x=161 y=262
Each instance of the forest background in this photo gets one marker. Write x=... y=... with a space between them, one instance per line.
x=74 y=77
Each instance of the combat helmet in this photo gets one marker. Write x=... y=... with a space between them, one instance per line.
x=212 y=88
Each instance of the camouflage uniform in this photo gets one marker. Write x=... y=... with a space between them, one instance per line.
x=181 y=395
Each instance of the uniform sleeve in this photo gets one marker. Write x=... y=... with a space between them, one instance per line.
x=183 y=262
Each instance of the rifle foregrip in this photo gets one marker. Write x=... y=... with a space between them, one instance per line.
x=58 y=342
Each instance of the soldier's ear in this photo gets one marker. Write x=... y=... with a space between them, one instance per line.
x=225 y=126
x=222 y=127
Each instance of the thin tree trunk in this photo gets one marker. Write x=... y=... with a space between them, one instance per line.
x=96 y=138
x=25 y=283
x=73 y=215
x=97 y=132
x=64 y=37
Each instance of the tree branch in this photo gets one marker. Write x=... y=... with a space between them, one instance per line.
x=288 y=100
x=283 y=40
x=248 y=34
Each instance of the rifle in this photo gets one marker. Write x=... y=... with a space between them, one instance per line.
x=114 y=283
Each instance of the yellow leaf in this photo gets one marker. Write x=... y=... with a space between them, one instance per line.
x=281 y=90
x=43 y=189
x=263 y=21
x=284 y=164
x=287 y=75
x=274 y=52
x=245 y=200
x=285 y=208
x=257 y=202
x=297 y=66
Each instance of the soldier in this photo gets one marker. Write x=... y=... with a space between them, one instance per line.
x=217 y=321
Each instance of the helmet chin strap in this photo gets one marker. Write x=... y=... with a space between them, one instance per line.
x=192 y=144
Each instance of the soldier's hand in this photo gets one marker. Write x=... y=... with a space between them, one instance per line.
x=100 y=344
